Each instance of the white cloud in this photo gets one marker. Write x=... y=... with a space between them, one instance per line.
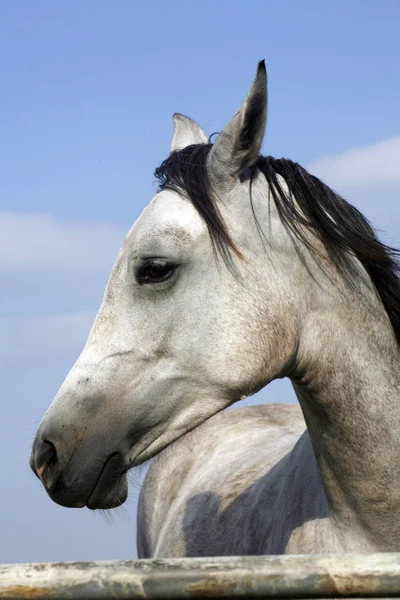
x=376 y=165
x=46 y=262
x=47 y=334
x=369 y=178
x=43 y=243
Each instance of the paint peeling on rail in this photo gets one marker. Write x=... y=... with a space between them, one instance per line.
x=311 y=576
x=23 y=591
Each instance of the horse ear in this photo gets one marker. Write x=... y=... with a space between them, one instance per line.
x=237 y=147
x=186 y=133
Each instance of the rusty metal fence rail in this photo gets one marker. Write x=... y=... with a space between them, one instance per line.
x=316 y=576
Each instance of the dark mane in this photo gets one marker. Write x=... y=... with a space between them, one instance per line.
x=343 y=230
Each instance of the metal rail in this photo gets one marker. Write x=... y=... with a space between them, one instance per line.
x=311 y=576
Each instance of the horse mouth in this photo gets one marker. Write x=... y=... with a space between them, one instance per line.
x=111 y=487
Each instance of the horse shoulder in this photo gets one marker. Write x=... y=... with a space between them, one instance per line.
x=215 y=476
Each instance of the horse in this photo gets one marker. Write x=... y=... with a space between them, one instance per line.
x=242 y=269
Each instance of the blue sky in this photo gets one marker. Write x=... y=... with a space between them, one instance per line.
x=87 y=93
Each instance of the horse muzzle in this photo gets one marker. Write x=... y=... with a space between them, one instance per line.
x=74 y=484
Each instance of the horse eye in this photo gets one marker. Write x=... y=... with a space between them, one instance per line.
x=154 y=271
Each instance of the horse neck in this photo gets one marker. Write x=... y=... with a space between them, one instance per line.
x=348 y=383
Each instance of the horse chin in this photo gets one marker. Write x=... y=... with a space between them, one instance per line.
x=111 y=489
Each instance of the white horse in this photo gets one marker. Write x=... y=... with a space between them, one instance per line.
x=242 y=269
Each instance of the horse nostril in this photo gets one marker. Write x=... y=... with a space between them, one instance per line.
x=44 y=461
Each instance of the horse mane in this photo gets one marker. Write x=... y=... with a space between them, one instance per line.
x=304 y=203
